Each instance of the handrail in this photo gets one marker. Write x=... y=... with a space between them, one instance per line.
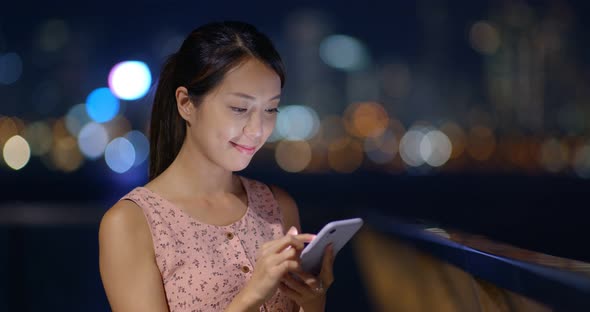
x=559 y=289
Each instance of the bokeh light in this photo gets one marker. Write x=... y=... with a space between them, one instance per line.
x=484 y=38
x=481 y=143
x=141 y=145
x=65 y=154
x=297 y=122
x=344 y=52
x=102 y=105
x=39 y=136
x=120 y=155
x=8 y=129
x=293 y=156
x=130 y=80
x=581 y=161
x=92 y=140
x=457 y=137
x=345 y=155
x=554 y=155
x=366 y=119
x=409 y=147
x=16 y=152
x=435 y=148
x=381 y=149
x=11 y=68
x=76 y=118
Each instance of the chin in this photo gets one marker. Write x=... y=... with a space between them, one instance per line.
x=236 y=165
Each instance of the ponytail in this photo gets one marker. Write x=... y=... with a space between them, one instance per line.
x=167 y=128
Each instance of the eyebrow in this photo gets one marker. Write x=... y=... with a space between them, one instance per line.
x=249 y=97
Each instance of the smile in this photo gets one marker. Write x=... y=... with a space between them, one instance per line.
x=244 y=149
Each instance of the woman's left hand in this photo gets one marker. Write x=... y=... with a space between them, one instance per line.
x=309 y=292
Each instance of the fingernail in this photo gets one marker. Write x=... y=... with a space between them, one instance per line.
x=292 y=230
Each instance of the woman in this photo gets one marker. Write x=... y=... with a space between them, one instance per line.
x=197 y=237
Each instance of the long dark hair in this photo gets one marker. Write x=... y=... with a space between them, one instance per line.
x=204 y=58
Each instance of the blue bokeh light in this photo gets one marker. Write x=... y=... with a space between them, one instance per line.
x=120 y=155
x=141 y=145
x=102 y=105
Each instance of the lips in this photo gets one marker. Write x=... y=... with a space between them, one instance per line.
x=248 y=150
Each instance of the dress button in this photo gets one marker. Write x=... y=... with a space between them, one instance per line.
x=245 y=269
x=229 y=235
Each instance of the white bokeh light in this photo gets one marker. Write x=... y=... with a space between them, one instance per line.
x=130 y=80
x=297 y=122
x=435 y=148
x=16 y=152
x=344 y=52
x=409 y=148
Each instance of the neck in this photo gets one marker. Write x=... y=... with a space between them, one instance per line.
x=193 y=174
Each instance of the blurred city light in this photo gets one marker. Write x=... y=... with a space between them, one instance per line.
x=130 y=80
x=120 y=155
x=16 y=152
x=381 y=149
x=141 y=145
x=11 y=68
x=457 y=137
x=102 y=105
x=554 y=155
x=344 y=52
x=76 y=118
x=65 y=154
x=39 y=136
x=366 y=119
x=8 y=129
x=484 y=37
x=293 y=156
x=481 y=143
x=297 y=122
x=435 y=148
x=581 y=161
x=409 y=147
x=92 y=140
x=345 y=155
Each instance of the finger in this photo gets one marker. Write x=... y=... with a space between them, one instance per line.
x=297 y=285
x=290 y=292
x=307 y=278
x=327 y=271
x=296 y=241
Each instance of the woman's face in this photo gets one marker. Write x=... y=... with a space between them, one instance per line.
x=236 y=118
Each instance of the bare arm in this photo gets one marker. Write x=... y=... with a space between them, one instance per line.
x=129 y=273
x=288 y=208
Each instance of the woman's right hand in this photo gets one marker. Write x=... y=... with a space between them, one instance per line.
x=275 y=259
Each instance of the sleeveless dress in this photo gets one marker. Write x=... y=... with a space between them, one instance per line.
x=204 y=266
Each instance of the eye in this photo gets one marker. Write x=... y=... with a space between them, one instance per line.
x=273 y=110
x=238 y=109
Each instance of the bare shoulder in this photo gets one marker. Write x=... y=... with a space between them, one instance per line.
x=128 y=269
x=288 y=208
x=124 y=216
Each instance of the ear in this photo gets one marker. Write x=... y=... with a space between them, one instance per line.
x=184 y=104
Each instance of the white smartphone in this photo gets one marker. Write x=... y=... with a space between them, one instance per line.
x=336 y=232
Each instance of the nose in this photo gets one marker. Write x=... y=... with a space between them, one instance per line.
x=253 y=127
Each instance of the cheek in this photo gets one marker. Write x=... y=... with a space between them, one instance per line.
x=269 y=126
